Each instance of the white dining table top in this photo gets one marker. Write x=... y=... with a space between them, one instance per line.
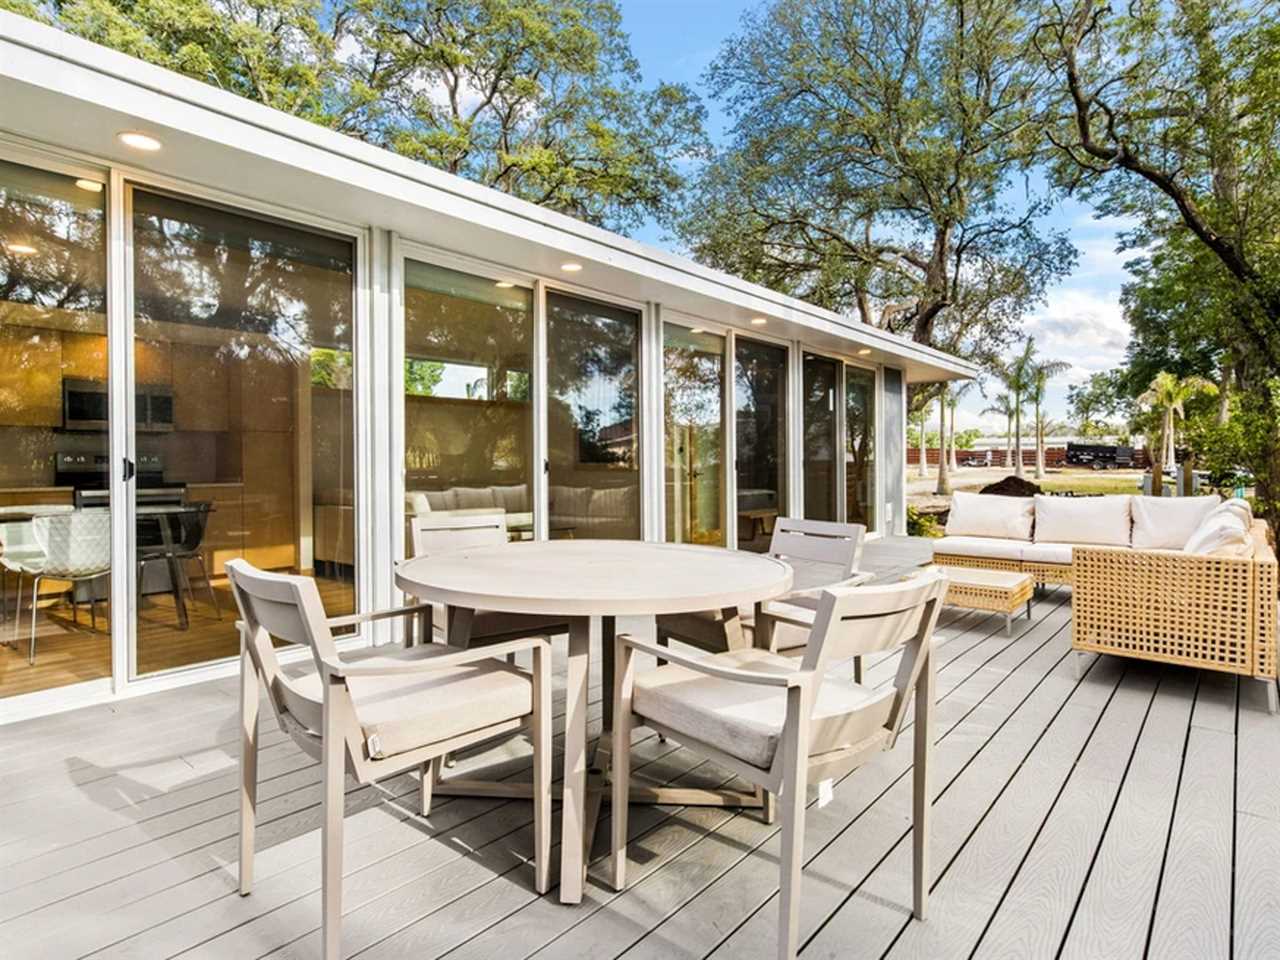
x=594 y=578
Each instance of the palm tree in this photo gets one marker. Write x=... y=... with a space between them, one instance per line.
x=1041 y=373
x=1167 y=397
x=1003 y=405
x=1019 y=375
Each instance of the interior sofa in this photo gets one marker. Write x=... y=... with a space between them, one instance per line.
x=1186 y=580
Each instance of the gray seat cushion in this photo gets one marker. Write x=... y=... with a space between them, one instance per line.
x=746 y=721
x=402 y=713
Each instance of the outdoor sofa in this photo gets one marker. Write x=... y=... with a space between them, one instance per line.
x=1185 y=580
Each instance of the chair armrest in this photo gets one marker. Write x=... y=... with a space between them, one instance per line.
x=856 y=579
x=431 y=664
x=702 y=665
x=354 y=619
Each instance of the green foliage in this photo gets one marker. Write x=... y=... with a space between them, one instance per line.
x=1093 y=403
x=1248 y=440
x=965 y=439
x=921 y=524
x=421 y=377
x=873 y=143
x=331 y=368
x=541 y=99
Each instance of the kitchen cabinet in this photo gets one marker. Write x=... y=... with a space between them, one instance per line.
x=200 y=389
x=224 y=535
x=30 y=377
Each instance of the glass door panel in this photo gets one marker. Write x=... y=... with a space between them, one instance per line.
x=245 y=443
x=860 y=446
x=693 y=387
x=820 y=438
x=53 y=431
x=468 y=424
x=760 y=399
x=593 y=403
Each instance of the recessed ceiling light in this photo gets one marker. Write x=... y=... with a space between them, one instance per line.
x=93 y=186
x=570 y=267
x=697 y=330
x=20 y=249
x=138 y=141
x=865 y=351
x=504 y=284
x=759 y=321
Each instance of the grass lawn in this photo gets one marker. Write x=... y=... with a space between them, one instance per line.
x=1091 y=481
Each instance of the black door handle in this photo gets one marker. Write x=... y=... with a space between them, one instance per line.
x=129 y=469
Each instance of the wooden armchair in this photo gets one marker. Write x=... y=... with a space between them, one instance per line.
x=377 y=714
x=779 y=725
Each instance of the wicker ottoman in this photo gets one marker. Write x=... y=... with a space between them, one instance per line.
x=999 y=591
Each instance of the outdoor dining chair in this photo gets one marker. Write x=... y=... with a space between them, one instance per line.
x=823 y=555
x=438 y=532
x=781 y=725
x=377 y=713
x=74 y=547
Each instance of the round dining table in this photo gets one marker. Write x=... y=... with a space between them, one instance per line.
x=580 y=580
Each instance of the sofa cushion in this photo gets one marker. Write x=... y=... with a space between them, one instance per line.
x=1223 y=534
x=1165 y=523
x=570 y=501
x=1239 y=506
x=416 y=503
x=1101 y=520
x=472 y=498
x=985 y=515
x=442 y=499
x=990 y=548
x=512 y=498
x=1047 y=553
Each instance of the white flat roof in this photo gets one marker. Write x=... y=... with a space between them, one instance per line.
x=73 y=95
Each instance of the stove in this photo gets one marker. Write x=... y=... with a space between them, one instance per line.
x=92 y=471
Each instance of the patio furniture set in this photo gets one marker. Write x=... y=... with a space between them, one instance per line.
x=1183 y=580
x=759 y=696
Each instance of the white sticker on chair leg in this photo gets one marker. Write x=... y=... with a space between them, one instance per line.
x=826 y=791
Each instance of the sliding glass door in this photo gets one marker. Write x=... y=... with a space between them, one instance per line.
x=243 y=417
x=54 y=419
x=760 y=421
x=693 y=432
x=821 y=438
x=468 y=423
x=593 y=419
x=860 y=445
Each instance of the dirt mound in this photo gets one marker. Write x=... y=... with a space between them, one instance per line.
x=1012 y=487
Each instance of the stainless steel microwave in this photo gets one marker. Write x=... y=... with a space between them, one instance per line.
x=86 y=406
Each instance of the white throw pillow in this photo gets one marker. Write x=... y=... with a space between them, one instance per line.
x=1101 y=520
x=1240 y=507
x=416 y=503
x=1166 y=523
x=1222 y=535
x=986 y=515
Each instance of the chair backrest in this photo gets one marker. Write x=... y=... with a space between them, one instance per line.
x=76 y=544
x=854 y=621
x=192 y=524
x=821 y=552
x=437 y=532
x=288 y=608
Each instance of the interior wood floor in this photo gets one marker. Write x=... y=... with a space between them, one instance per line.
x=1132 y=812
x=70 y=650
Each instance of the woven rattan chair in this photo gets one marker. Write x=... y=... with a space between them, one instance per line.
x=376 y=715
x=780 y=725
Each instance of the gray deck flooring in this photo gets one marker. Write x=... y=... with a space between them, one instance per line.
x=1135 y=811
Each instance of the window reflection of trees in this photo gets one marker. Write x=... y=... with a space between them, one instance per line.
x=820 y=442
x=467 y=359
x=760 y=372
x=860 y=387
x=693 y=382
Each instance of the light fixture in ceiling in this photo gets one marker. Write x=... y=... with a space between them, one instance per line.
x=504 y=284
x=21 y=249
x=571 y=267
x=138 y=141
x=93 y=186
x=864 y=352
x=759 y=321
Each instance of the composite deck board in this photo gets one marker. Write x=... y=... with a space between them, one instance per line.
x=1114 y=906
x=1193 y=913
x=1077 y=818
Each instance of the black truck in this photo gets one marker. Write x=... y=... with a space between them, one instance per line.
x=1099 y=456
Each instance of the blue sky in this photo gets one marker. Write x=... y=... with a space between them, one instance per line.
x=1081 y=321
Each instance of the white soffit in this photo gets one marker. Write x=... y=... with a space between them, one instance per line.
x=76 y=96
